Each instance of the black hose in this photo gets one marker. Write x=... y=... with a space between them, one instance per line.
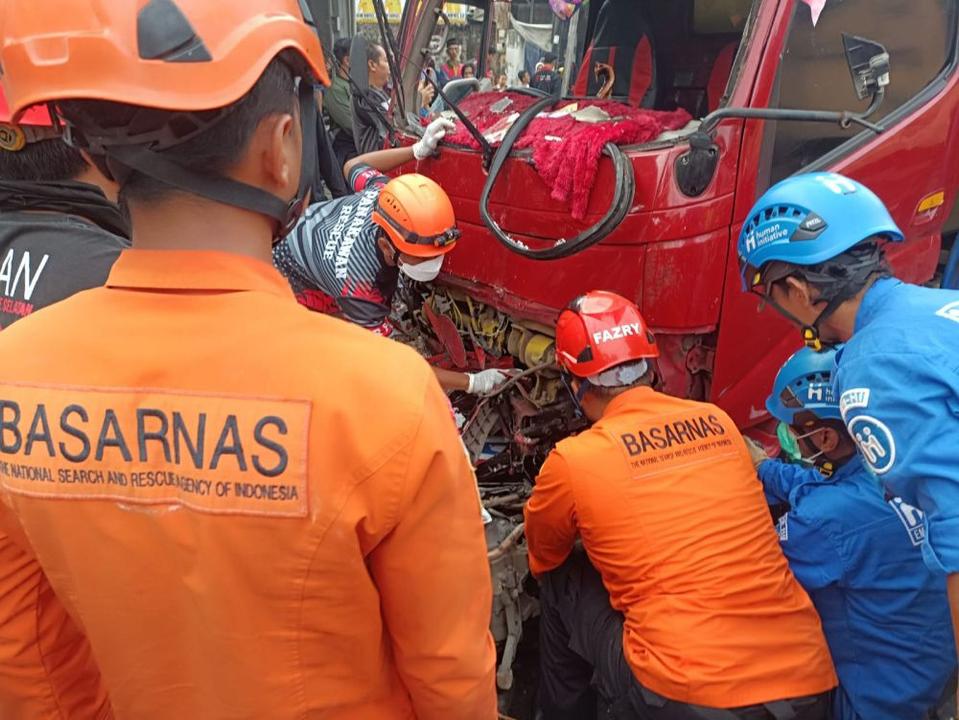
x=623 y=194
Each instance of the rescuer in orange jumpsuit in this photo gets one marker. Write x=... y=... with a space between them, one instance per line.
x=685 y=607
x=214 y=503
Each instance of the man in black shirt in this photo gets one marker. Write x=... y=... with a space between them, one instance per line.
x=370 y=123
x=344 y=257
x=546 y=78
x=59 y=234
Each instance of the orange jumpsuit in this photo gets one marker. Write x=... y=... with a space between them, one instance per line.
x=671 y=513
x=217 y=504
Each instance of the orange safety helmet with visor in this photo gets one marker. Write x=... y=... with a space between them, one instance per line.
x=191 y=58
x=417 y=216
x=601 y=331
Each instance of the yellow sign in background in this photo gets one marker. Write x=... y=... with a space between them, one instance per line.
x=394 y=8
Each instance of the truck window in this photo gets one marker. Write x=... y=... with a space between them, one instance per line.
x=920 y=38
x=719 y=17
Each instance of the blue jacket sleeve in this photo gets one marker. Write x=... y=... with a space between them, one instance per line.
x=812 y=548
x=902 y=410
x=780 y=479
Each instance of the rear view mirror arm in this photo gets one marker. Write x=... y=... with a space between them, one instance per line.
x=869 y=66
x=844 y=118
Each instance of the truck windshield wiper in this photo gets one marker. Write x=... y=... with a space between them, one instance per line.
x=467 y=123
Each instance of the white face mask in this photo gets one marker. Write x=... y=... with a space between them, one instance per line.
x=424 y=271
x=789 y=442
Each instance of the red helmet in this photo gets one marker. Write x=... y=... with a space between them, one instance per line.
x=36 y=115
x=600 y=330
x=33 y=124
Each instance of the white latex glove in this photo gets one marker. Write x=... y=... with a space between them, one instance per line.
x=486 y=381
x=756 y=452
x=435 y=132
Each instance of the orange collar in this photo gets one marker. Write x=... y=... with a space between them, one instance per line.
x=629 y=400
x=195 y=270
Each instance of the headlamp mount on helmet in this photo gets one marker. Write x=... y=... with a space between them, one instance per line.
x=441 y=240
x=15 y=137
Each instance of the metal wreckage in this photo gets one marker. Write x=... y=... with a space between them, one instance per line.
x=674 y=116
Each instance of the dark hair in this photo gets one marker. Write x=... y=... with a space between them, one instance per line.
x=522 y=74
x=453 y=41
x=42 y=161
x=341 y=49
x=210 y=153
x=373 y=52
x=549 y=58
x=840 y=277
x=471 y=66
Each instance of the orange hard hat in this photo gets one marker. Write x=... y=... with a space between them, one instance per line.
x=417 y=215
x=181 y=57
x=186 y=55
x=600 y=330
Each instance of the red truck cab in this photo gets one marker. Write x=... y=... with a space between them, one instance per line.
x=674 y=251
x=765 y=83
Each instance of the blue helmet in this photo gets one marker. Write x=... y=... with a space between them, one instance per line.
x=808 y=219
x=804 y=383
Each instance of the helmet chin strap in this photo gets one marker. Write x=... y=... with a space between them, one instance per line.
x=122 y=159
x=577 y=395
x=810 y=333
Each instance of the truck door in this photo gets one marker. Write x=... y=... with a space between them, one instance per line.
x=914 y=159
x=911 y=165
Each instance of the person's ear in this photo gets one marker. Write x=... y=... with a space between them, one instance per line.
x=282 y=153
x=386 y=248
x=799 y=290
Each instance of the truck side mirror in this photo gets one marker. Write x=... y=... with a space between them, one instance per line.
x=868 y=64
x=455 y=90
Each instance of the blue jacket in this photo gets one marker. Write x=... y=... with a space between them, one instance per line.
x=884 y=613
x=897 y=381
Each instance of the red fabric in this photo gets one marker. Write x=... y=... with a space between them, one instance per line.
x=719 y=77
x=568 y=166
x=641 y=76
